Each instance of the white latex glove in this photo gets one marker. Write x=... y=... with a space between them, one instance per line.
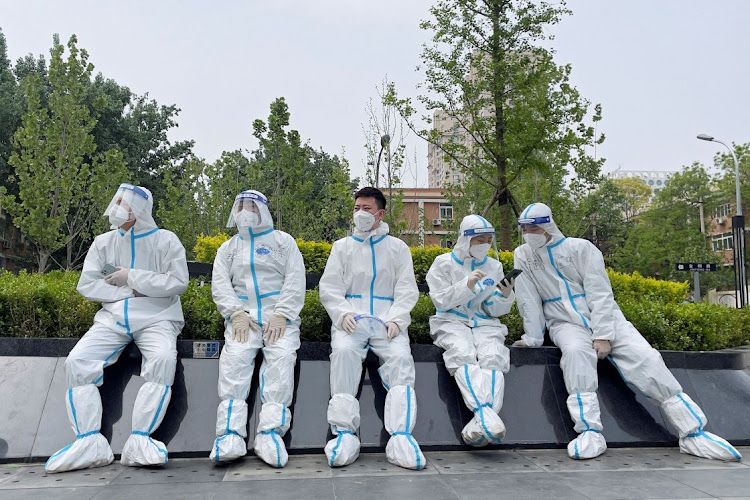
x=519 y=343
x=393 y=330
x=119 y=277
x=602 y=348
x=506 y=288
x=274 y=329
x=348 y=323
x=474 y=277
x=240 y=325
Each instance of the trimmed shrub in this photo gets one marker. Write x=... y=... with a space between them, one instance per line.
x=207 y=246
x=48 y=305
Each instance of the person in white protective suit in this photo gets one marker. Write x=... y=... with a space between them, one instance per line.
x=564 y=288
x=141 y=304
x=368 y=289
x=258 y=284
x=467 y=290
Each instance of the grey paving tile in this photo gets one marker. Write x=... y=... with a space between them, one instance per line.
x=720 y=483
x=34 y=476
x=473 y=462
x=288 y=489
x=299 y=466
x=532 y=485
x=375 y=464
x=671 y=458
x=559 y=461
x=623 y=484
x=83 y=493
x=414 y=486
x=176 y=471
x=161 y=491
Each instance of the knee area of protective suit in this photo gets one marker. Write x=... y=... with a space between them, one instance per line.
x=684 y=414
x=231 y=417
x=398 y=370
x=343 y=412
x=159 y=367
x=274 y=416
x=400 y=413
x=345 y=355
x=84 y=406
x=80 y=371
x=584 y=410
x=150 y=406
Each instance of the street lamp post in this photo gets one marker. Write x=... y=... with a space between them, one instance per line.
x=738 y=231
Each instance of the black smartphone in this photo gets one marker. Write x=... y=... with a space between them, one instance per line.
x=506 y=279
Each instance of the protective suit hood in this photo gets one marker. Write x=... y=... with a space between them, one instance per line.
x=471 y=225
x=260 y=201
x=139 y=200
x=540 y=215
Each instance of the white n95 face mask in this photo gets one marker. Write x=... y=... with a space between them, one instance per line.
x=246 y=218
x=119 y=216
x=363 y=220
x=479 y=251
x=535 y=240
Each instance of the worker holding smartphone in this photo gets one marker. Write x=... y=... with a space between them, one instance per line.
x=470 y=292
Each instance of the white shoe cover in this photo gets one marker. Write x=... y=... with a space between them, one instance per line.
x=343 y=449
x=706 y=445
x=231 y=431
x=89 y=451
x=269 y=446
x=486 y=427
x=143 y=450
x=589 y=444
x=227 y=448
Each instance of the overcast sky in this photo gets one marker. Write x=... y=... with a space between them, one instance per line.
x=663 y=70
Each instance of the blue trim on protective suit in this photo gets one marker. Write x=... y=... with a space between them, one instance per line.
x=357 y=239
x=408 y=427
x=526 y=213
x=73 y=410
x=567 y=286
x=158 y=410
x=352 y=296
x=474 y=264
x=273 y=433
x=338 y=442
x=556 y=299
x=690 y=408
x=106 y=363
x=458 y=261
x=479 y=406
x=453 y=311
x=731 y=449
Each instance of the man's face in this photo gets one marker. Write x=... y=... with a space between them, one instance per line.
x=369 y=205
x=248 y=205
x=532 y=229
x=482 y=238
x=124 y=204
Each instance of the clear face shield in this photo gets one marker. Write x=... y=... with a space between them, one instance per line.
x=245 y=211
x=484 y=240
x=129 y=203
x=531 y=230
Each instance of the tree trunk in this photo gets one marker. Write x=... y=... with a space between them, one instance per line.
x=43 y=259
x=69 y=255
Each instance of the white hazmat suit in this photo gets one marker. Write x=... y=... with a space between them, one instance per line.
x=466 y=326
x=370 y=275
x=260 y=272
x=565 y=288
x=141 y=304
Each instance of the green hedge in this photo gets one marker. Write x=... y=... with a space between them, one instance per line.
x=48 y=305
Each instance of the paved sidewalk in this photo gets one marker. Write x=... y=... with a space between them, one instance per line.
x=621 y=473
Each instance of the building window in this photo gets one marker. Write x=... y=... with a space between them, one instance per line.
x=723 y=210
x=446 y=211
x=722 y=242
x=650 y=183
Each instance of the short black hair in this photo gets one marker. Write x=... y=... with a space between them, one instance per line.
x=371 y=192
